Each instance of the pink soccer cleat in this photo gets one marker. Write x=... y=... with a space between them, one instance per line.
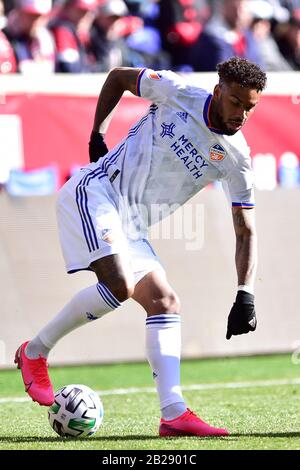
x=188 y=424
x=35 y=377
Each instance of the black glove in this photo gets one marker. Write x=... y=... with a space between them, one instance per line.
x=97 y=146
x=242 y=317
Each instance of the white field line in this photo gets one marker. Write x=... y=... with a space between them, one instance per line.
x=185 y=388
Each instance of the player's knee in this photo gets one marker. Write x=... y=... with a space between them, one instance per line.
x=122 y=288
x=168 y=304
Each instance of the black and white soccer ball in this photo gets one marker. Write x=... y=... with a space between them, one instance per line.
x=76 y=412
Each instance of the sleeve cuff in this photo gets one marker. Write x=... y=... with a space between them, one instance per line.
x=138 y=82
x=243 y=204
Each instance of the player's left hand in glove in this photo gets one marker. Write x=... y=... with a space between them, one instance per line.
x=97 y=146
x=242 y=318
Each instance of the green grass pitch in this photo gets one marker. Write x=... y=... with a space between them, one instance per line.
x=256 y=398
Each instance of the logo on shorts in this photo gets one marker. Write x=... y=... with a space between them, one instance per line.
x=90 y=316
x=155 y=76
x=217 y=153
x=107 y=236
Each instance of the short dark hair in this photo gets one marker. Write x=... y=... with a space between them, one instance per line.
x=243 y=72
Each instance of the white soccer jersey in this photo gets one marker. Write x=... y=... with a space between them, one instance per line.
x=166 y=158
x=172 y=152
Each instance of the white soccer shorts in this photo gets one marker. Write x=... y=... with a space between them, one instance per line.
x=90 y=226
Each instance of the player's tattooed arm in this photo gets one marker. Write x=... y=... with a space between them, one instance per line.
x=246 y=245
x=118 y=80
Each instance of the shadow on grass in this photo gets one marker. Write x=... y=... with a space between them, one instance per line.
x=139 y=437
x=265 y=434
x=83 y=439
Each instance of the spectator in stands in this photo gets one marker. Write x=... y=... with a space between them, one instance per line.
x=226 y=34
x=70 y=56
x=106 y=46
x=2 y=15
x=7 y=57
x=271 y=58
x=8 y=62
x=180 y=24
x=289 y=41
x=30 y=40
x=145 y=49
x=108 y=33
x=145 y=44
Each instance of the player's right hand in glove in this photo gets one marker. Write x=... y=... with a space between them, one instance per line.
x=242 y=318
x=97 y=146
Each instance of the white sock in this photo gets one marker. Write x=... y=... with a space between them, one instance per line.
x=88 y=305
x=36 y=348
x=173 y=411
x=163 y=349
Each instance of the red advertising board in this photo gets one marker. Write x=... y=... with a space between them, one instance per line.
x=55 y=128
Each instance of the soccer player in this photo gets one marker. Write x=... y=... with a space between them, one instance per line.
x=188 y=139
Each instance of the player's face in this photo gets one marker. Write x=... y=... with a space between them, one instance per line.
x=233 y=105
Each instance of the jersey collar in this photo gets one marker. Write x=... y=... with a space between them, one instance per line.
x=206 y=115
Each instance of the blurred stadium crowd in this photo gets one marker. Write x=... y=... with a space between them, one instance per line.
x=80 y=36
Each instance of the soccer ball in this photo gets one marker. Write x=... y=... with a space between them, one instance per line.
x=76 y=412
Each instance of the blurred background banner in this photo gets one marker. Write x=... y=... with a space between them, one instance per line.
x=51 y=121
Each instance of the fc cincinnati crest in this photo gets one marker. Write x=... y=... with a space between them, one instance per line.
x=217 y=153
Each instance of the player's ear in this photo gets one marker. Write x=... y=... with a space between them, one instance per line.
x=217 y=91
